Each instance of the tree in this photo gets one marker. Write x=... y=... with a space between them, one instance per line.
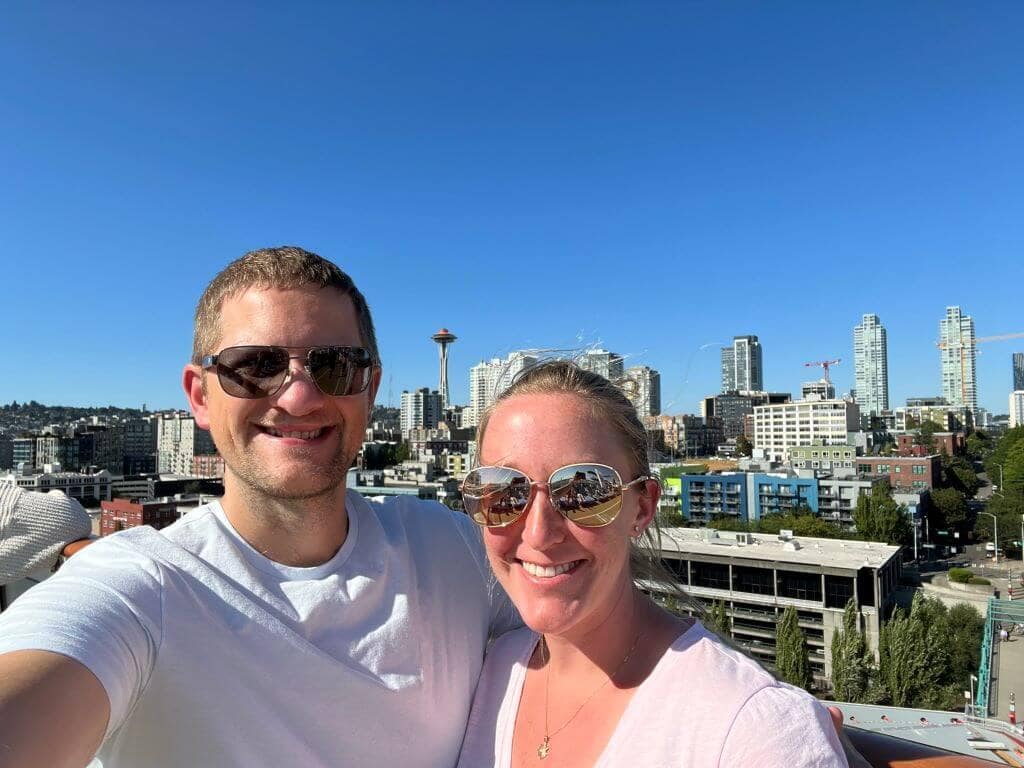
x=959 y=474
x=948 y=508
x=791 y=662
x=743 y=446
x=901 y=659
x=717 y=619
x=966 y=627
x=851 y=660
x=879 y=518
x=925 y=435
x=978 y=445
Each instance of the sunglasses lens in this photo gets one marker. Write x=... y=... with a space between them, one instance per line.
x=340 y=371
x=589 y=495
x=495 y=496
x=251 y=371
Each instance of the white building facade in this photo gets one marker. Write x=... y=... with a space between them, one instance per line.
x=179 y=440
x=1017 y=408
x=780 y=427
x=959 y=353
x=642 y=386
x=421 y=409
x=488 y=378
x=871 y=365
x=742 y=365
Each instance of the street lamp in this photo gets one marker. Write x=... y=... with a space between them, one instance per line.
x=995 y=522
x=974 y=679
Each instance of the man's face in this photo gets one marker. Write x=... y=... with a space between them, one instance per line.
x=299 y=442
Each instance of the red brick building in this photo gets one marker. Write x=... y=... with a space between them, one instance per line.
x=119 y=514
x=207 y=465
x=952 y=443
x=905 y=473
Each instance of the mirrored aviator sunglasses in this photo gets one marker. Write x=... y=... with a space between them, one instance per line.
x=589 y=495
x=260 y=371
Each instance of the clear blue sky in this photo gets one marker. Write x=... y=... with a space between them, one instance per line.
x=644 y=176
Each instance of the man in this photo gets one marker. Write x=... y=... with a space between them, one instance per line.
x=292 y=623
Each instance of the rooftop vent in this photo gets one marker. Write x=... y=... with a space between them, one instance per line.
x=791 y=545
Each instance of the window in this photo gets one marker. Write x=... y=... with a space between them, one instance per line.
x=712 y=575
x=799 y=586
x=755 y=580
x=838 y=590
x=898 y=469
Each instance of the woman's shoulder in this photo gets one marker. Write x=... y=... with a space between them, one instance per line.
x=703 y=658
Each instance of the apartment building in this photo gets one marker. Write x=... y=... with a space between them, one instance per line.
x=905 y=473
x=642 y=386
x=420 y=409
x=871 y=366
x=179 y=439
x=732 y=408
x=958 y=352
x=777 y=428
x=743 y=365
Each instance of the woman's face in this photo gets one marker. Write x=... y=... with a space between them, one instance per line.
x=564 y=579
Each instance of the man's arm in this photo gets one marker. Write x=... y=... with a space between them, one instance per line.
x=34 y=527
x=53 y=711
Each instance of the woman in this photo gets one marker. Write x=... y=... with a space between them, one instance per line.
x=602 y=676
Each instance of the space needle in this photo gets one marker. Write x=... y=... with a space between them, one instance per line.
x=443 y=338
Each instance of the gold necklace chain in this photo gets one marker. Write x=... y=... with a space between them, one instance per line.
x=545 y=746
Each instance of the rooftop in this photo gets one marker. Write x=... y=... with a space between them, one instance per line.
x=837 y=553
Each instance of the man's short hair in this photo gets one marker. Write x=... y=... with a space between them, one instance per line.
x=282 y=268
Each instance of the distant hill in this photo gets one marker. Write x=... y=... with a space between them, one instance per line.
x=18 y=417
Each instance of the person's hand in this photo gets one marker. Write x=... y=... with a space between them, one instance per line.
x=853 y=757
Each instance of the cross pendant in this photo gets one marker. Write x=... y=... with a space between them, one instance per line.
x=543 y=749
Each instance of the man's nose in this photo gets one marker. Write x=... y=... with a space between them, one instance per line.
x=299 y=394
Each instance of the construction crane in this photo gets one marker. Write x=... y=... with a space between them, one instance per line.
x=825 y=364
x=963 y=355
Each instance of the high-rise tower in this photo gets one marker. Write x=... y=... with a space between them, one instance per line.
x=871 y=366
x=1018 y=371
x=742 y=366
x=959 y=353
x=443 y=338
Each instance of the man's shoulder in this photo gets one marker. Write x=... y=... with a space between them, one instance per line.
x=413 y=514
x=147 y=546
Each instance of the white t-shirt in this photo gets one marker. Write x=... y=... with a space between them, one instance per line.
x=703 y=706
x=213 y=655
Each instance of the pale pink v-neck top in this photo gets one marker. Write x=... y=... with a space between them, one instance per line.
x=704 y=705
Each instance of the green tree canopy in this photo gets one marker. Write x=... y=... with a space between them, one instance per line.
x=743 y=446
x=791 y=662
x=879 y=518
x=948 y=508
x=851 y=660
x=958 y=473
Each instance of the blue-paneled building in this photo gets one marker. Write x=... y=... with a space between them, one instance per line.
x=744 y=495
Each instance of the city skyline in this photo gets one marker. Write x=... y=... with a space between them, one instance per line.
x=529 y=177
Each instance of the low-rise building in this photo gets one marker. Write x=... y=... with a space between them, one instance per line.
x=905 y=473
x=950 y=443
x=119 y=514
x=757 y=576
x=822 y=457
x=88 y=487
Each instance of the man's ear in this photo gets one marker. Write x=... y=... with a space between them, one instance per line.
x=195 y=390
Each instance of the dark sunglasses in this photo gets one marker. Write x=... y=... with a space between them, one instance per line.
x=589 y=495
x=260 y=371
